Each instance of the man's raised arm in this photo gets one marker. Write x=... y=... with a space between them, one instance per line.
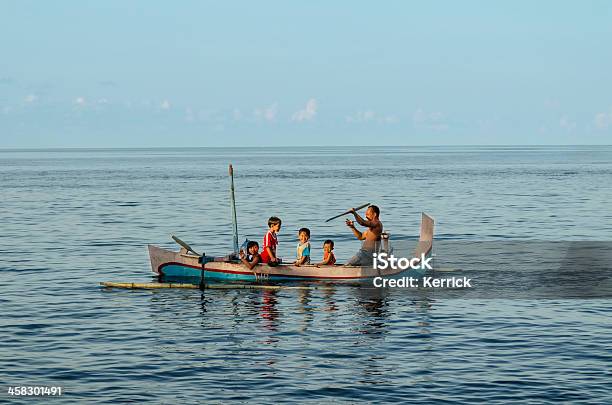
x=360 y=220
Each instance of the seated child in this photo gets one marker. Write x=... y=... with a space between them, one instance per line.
x=329 y=259
x=303 y=247
x=268 y=255
x=251 y=257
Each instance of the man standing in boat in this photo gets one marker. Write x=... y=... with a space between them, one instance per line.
x=370 y=237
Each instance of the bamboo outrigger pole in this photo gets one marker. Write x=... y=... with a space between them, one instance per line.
x=233 y=208
x=153 y=286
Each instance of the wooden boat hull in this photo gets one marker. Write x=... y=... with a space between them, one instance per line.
x=183 y=265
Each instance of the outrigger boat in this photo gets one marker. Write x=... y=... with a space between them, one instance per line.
x=187 y=264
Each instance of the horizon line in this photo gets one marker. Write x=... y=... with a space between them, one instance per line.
x=7 y=149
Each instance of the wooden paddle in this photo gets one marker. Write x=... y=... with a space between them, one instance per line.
x=186 y=246
x=348 y=212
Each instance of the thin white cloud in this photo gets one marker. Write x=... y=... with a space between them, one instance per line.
x=603 y=120
x=212 y=115
x=370 y=116
x=361 y=116
x=79 y=101
x=307 y=113
x=434 y=120
x=389 y=119
x=567 y=124
x=189 y=117
x=551 y=103
x=267 y=113
x=165 y=105
x=30 y=98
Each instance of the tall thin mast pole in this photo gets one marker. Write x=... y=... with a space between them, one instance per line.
x=233 y=207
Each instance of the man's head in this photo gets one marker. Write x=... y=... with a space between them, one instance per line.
x=373 y=212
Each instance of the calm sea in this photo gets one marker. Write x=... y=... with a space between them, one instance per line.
x=73 y=218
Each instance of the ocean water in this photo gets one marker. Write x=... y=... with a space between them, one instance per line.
x=73 y=218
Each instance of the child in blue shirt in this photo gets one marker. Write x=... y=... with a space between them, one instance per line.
x=303 y=247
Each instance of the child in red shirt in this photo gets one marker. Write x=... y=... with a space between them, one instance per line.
x=268 y=255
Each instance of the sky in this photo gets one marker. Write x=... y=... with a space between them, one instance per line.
x=287 y=73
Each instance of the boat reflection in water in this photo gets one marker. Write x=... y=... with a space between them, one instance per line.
x=266 y=332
